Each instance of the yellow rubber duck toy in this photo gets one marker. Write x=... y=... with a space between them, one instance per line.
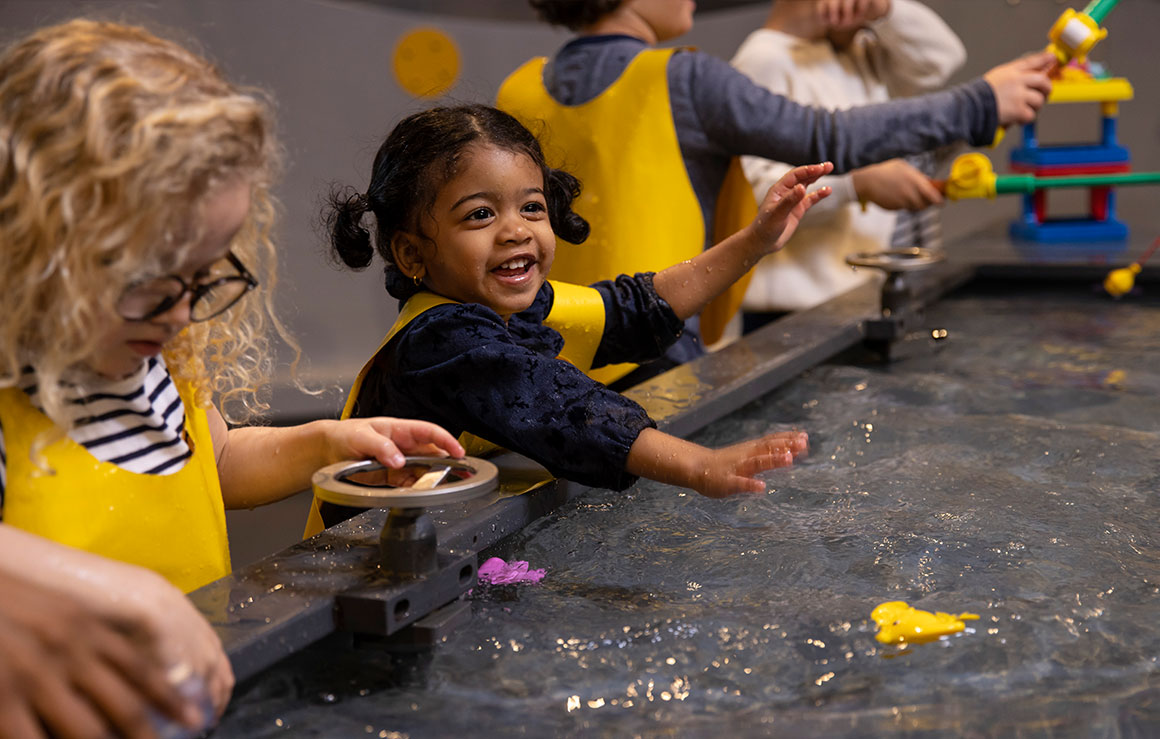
x=898 y=623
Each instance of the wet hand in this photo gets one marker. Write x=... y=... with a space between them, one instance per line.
x=786 y=203
x=733 y=469
x=67 y=670
x=183 y=638
x=387 y=440
x=1021 y=87
x=895 y=185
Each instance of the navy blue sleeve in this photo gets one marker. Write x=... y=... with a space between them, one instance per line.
x=639 y=326
x=460 y=366
x=744 y=118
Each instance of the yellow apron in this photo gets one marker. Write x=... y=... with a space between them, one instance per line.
x=577 y=313
x=172 y=524
x=636 y=195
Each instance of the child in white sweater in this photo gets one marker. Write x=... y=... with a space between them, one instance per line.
x=842 y=54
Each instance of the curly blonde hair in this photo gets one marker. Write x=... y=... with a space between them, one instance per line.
x=110 y=139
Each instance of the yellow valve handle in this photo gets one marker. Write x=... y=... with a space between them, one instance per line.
x=972 y=176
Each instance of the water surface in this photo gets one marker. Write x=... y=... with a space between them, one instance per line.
x=1009 y=470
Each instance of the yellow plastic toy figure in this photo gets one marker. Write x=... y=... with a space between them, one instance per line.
x=898 y=623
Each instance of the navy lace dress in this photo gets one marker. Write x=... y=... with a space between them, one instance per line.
x=462 y=367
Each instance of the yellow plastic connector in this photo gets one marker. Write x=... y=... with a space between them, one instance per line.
x=1073 y=88
x=972 y=176
x=1073 y=36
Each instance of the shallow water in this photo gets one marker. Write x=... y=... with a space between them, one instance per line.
x=1009 y=470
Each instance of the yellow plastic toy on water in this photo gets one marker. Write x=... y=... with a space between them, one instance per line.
x=898 y=623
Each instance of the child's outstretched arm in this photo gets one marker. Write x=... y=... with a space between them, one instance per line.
x=259 y=465
x=689 y=286
x=715 y=473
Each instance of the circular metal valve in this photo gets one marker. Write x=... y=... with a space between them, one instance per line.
x=407 y=543
x=895 y=260
x=422 y=482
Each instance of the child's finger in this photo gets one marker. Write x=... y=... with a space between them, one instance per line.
x=410 y=436
x=65 y=713
x=803 y=175
x=747 y=485
x=930 y=194
x=116 y=700
x=812 y=199
x=430 y=433
x=786 y=204
x=797 y=442
x=1039 y=82
x=759 y=463
x=737 y=485
x=387 y=453
x=1040 y=61
x=19 y=722
x=220 y=684
x=144 y=674
x=808 y=174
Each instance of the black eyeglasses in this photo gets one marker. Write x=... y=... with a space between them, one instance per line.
x=150 y=298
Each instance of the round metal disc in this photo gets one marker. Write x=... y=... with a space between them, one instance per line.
x=895 y=260
x=422 y=482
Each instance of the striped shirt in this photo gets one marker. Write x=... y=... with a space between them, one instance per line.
x=922 y=228
x=136 y=423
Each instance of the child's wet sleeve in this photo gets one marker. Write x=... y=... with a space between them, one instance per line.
x=477 y=378
x=639 y=325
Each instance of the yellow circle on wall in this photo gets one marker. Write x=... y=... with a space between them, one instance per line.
x=426 y=62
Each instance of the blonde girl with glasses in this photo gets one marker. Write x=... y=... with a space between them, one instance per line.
x=135 y=218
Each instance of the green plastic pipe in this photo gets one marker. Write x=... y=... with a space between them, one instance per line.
x=1029 y=183
x=1097 y=10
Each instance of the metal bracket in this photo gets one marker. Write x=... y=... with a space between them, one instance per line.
x=386 y=606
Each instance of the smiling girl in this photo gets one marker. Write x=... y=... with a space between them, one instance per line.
x=466 y=213
x=135 y=214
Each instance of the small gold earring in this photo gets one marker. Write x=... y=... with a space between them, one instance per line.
x=418 y=280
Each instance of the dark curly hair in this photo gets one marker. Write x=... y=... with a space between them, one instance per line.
x=573 y=14
x=418 y=158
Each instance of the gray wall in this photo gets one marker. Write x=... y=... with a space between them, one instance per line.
x=328 y=66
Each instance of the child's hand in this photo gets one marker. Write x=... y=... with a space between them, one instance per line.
x=841 y=15
x=183 y=638
x=714 y=473
x=73 y=672
x=732 y=470
x=786 y=202
x=1021 y=87
x=895 y=185
x=388 y=439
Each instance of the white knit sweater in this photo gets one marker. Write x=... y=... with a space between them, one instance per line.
x=908 y=51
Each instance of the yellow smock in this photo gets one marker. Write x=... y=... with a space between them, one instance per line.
x=172 y=524
x=577 y=314
x=636 y=194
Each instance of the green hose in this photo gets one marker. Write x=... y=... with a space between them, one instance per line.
x=1097 y=10
x=1029 y=183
